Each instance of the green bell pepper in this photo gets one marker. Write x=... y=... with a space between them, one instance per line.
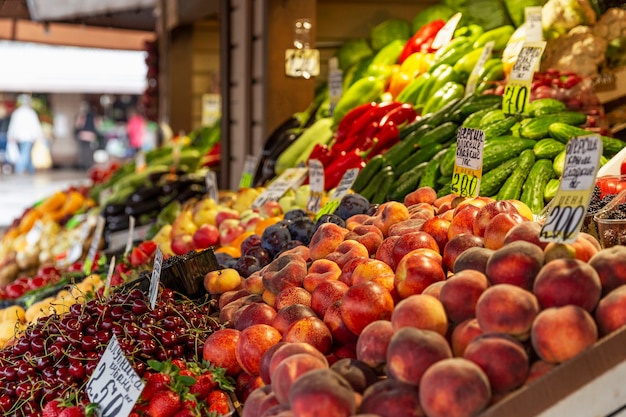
x=448 y=92
x=385 y=58
x=364 y=90
x=410 y=93
x=500 y=36
x=466 y=64
x=440 y=76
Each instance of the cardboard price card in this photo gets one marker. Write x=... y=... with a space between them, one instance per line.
x=468 y=164
x=335 y=83
x=211 y=185
x=291 y=178
x=114 y=384
x=478 y=68
x=155 y=277
x=303 y=63
x=95 y=243
x=316 y=183
x=517 y=91
x=567 y=209
x=534 y=29
x=342 y=189
x=249 y=168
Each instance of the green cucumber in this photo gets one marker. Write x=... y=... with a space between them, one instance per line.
x=496 y=153
x=406 y=182
x=563 y=133
x=539 y=127
x=373 y=167
x=473 y=120
x=512 y=187
x=431 y=172
x=422 y=155
x=446 y=166
x=491 y=117
x=548 y=148
x=543 y=106
x=385 y=185
x=500 y=127
x=398 y=152
x=492 y=180
x=535 y=185
x=439 y=134
x=551 y=188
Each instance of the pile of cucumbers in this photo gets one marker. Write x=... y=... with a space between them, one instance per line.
x=522 y=153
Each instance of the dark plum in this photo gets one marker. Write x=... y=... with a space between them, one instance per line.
x=302 y=229
x=295 y=214
x=373 y=209
x=274 y=237
x=252 y=241
x=352 y=204
x=223 y=258
x=290 y=245
x=246 y=265
x=259 y=253
x=330 y=218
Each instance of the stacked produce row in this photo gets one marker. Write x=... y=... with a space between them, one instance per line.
x=406 y=300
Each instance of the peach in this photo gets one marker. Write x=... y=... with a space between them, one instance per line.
x=460 y=203
x=376 y=271
x=516 y=263
x=252 y=344
x=411 y=241
x=502 y=358
x=219 y=349
x=463 y=221
x=584 y=248
x=405 y=227
x=463 y=334
x=347 y=351
x=290 y=369
x=347 y=250
x=311 y=330
x=415 y=272
x=349 y=267
x=288 y=315
x=457 y=245
x=560 y=333
x=371 y=347
x=326 y=239
x=591 y=239
x=611 y=310
x=299 y=250
x=611 y=268
x=222 y=280
x=412 y=351
x=269 y=297
x=259 y=401
x=326 y=294
x=322 y=392
x=498 y=227
x=292 y=295
x=444 y=199
x=538 y=369
x=246 y=383
x=368 y=235
x=320 y=270
x=364 y=303
x=229 y=296
x=254 y=283
x=422 y=312
x=421 y=195
x=266 y=359
x=256 y=313
x=554 y=250
x=506 y=308
x=385 y=251
x=567 y=281
x=473 y=258
x=421 y=211
x=526 y=231
x=437 y=227
x=459 y=294
x=357 y=220
x=391 y=398
x=357 y=373
x=434 y=289
x=228 y=311
x=341 y=334
x=390 y=213
x=279 y=410
x=454 y=387
x=284 y=271
x=286 y=350
x=488 y=212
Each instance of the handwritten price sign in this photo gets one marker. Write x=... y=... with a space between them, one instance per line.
x=342 y=189
x=468 y=165
x=517 y=90
x=567 y=209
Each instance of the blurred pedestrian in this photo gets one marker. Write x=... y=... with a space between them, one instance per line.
x=86 y=135
x=136 y=130
x=24 y=129
x=5 y=116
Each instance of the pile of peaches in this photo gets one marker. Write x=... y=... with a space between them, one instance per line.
x=436 y=307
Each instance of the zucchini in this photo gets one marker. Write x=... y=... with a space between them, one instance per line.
x=373 y=167
x=406 y=182
x=500 y=127
x=439 y=134
x=492 y=180
x=548 y=148
x=535 y=185
x=496 y=153
x=446 y=165
x=538 y=127
x=512 y=187
x=563 y=133
x=422 y=155
x=543 y=106
x=431 y=172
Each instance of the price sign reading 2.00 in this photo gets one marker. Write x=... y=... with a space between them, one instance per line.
x=517 y=90
x=468 y=165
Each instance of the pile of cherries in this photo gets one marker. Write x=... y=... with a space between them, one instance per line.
x=55 y=357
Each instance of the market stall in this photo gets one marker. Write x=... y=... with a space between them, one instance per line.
x=428 y=237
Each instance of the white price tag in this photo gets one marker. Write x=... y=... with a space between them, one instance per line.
x=527 y=61
x=95 y=242
x=107 y=283
x=211 y=185
x=444 y=36
x=478 y=68
x=302 y=63
x=114 y=384
x=140 y=161
x=316 y=184
x=211 y=109
x=155 y=277
x=34 y=234
x=131 y=234
x=342 y=189
x=534 y=30
x=468 y=164
x=335 y=83
x=249 y=168
x=291 y=178
x=568 y=207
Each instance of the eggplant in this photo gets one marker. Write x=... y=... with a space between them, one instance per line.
x=194 y=190
x=135 y=209
x=144 y=193
x=113 y=209
x=261 y=175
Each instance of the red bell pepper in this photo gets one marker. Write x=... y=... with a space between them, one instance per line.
x=335 y=171
x=348 y=120
x=422 y=40
x=386 y=137
x=400 y=115
x=322 y=153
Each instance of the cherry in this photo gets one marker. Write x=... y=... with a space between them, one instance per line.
x=76 y=370
x=148 y=347
x=117 y=329
x=106 y=323
x=21 y=346
x=9 y=373
x=42 y=362
x=37 y=344
x=103 y=336
x=25 y=370
x=89 y=343
x=140 y=368
x=117 y=312
x=172 y=322
x=139 y=306
x=168 y=338
x=48 y=373
x=5 y=402
x=128 y=316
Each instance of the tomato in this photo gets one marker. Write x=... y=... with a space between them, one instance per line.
x=622 y=168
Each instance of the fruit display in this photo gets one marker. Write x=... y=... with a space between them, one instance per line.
x=397 y=298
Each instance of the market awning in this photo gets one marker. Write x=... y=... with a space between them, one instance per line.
x=29 y=67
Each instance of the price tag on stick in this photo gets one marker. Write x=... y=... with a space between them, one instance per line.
x=291 y=178
x=155 y=277
x=568 y=207
x=445 y=35
x=342 y=189
x=534 y=29
x=517 y=90
x=316 y=184
x=107 y=283
x=114 y=384
x=95 y=243
x=249 y=168
x=211 y=185
x=131 y=234
x=478 y=68
x=468 y=165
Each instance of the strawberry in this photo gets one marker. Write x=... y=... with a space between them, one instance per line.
x=156 y=382
x=218 y=402
x=148 y=247
x=185 y=413
x=165 y=403
x=180 y=363
x=52 y=409
x=73 y=411
x=138 y=257
x=186 y=372
x=203 y=386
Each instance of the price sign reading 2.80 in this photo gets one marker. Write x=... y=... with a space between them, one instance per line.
x=468 y=164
